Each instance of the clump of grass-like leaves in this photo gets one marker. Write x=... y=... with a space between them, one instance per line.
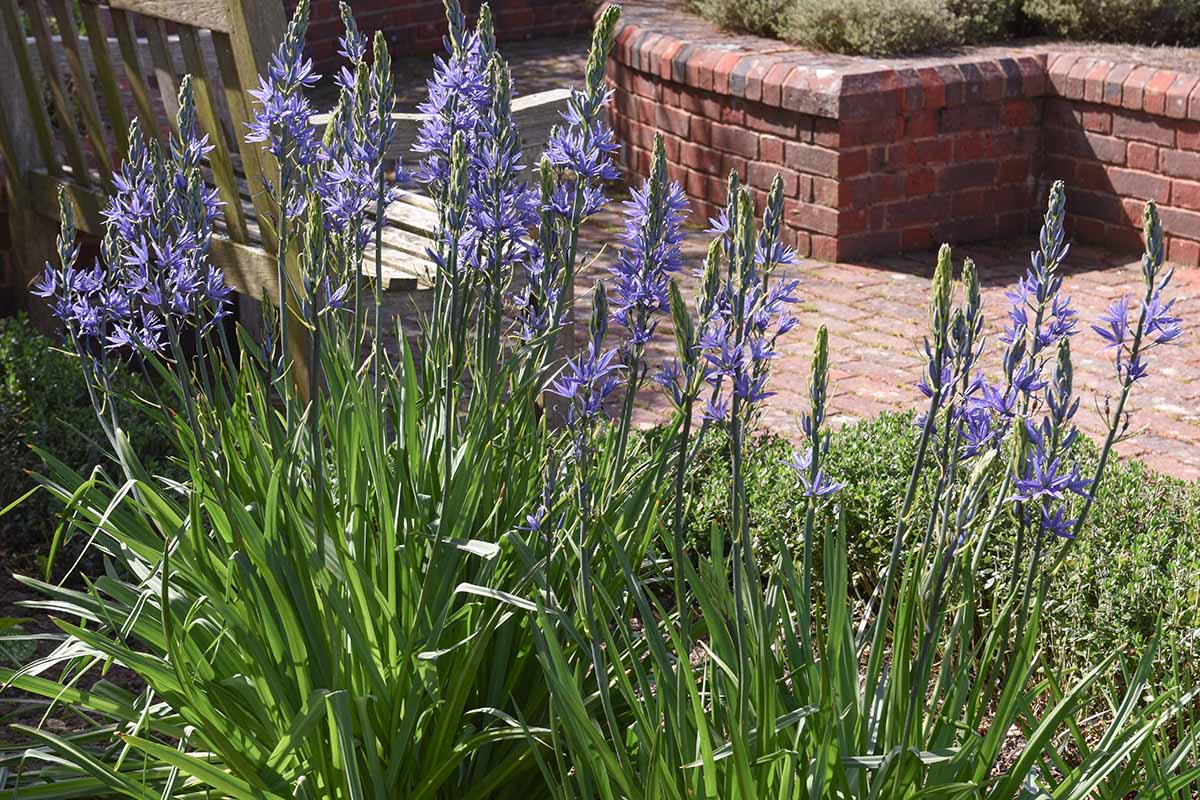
x=454 y=577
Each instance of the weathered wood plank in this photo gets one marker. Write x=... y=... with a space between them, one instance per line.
x=164 y=71
x=218 y=157
x=139 y=89
x=103 y=66
x=212 y=15
x=68 y=134
x=85 y=100
x=534 y=115
x=27 y=89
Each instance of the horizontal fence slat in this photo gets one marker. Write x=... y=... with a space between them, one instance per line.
x=212 y=15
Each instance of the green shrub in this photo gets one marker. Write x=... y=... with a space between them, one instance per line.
x=1144 y=21
x=896 y=27
x=44 y=403
x=872 y=27
x=1139 y=557
x=752 y=16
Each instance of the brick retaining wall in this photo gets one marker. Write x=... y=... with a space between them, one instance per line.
x=880 y=155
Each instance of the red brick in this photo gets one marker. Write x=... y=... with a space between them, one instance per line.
x=1142 y=185
x=1177 y=95
x=1018 y=113
x=1098 y=205
x=1187 y=136
x=812 y=217
x=1057 y=71
x=666 y=57
x=1093 y=89
x=1033 y=75
x=1062 y=113
x=770 y=149
x=932 y=88
x=644 y=85
x=775 y=121
x=1074 y=83
x=1144 y=128
x=971 y=117
x=732 y=163
x=1142 y=156
x=703 y=65
x=825 y=191
x=1177 y=222
x=763 y=175
x=1187 y=195
x=772 y=85
x=1183 y=251
x=920 y=181
x=918 y=238
x=917 y=211
x=1154 y=101
x=921 y=125
x=1086 y=145
x=1016 y=169
x=700 y=131
x=1179 y=164
x=824 y=248
x=874 y=131
x=819 y=161
x=1135 y=87
x=850 y=162
x=867 y=190
x=1194 y=104
x=722 y=71
x=972 y=146
x=759 y=68
x=958 y=176
x=1098 y=121
x=826 y=132
x=967 y=203
x=1112 y=84
x=672 y=120
x=1090 y=174
x=735 y=140
x=696 y=157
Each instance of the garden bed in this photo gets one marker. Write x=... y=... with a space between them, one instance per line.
x=880 y=155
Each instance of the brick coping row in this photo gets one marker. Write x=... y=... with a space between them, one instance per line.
x=696 y=54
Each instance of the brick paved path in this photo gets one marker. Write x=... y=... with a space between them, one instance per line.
x=876 y=312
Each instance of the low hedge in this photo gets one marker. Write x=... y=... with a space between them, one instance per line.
x=44 y=402
x=894 y=27
x=1139 y=559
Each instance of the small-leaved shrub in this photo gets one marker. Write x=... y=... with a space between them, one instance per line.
x=1137 y=561
x=898 y=27
x=44 y=403
x=1136 y=21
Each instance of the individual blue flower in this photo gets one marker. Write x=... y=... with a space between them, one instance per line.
x=818 y=486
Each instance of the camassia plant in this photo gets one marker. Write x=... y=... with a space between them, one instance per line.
x=444 y=572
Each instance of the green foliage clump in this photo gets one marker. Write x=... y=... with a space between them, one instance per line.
x=752 y=16
x=1138 y=21
x=897 y=27
x=44 y=404
x=1139 y=557
x=871 y=27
